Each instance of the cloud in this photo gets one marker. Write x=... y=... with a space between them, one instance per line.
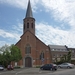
x=44 y=31
x=16 y=3
x=2 y=43
x=8 y=34
x=5 y=34
x=18 y=28
x=11 y=36
x=51 y=35
x=62 y=10
x=22 y=4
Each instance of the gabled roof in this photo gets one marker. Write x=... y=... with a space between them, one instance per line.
x=34 y=36
x=29 y=11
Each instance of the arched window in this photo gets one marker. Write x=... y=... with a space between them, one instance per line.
x=27 y=25
x=32 y=25
x=27 y=49
x=42 y=55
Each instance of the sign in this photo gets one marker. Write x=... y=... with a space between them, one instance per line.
x=42 y=59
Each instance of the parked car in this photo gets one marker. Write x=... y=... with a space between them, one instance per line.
x=49 y=67
x=1 y=67
x=66 y=65
x=10 y=67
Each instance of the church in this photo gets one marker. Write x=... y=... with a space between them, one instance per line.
x=34 y=51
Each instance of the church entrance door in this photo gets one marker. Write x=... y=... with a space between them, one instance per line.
x=28 y=62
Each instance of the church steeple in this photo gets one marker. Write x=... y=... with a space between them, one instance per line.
x=29 y=21
x=29 y=11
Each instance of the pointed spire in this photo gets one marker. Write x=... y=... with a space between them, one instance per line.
x=29 y=10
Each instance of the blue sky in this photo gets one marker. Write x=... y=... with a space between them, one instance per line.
x=55 y=21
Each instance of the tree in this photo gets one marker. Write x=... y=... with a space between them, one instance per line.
x=4 y=48
x=5 y=56
x=1 y=58
x=65 y=58
x=9 y=54
x=69 y=56
x=15 y=53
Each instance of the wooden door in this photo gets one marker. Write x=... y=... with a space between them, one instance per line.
x=28 y=62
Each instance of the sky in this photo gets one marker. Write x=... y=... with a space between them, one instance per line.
x=55 y=21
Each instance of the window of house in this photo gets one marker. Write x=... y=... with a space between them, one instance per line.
x=27 y=25
x=42 y=55
x=28 y=49
x=54 y=55
x=55 y=49
x=60 y=55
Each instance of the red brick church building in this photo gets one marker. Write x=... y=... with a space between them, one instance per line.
x=34 y=51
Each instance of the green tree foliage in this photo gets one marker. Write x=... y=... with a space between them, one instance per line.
x=15 y=53
x=1 y=58
x=5 y=55
x=62 y=59
x=9 y=54
x=65 y=58
x=69 y=56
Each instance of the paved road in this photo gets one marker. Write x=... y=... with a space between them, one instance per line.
x=36 y=71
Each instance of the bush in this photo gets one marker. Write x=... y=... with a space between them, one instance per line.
x=37 y=66
x=17 y=67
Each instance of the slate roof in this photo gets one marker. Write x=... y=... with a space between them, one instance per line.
x=57 y=46
x=29 y=11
